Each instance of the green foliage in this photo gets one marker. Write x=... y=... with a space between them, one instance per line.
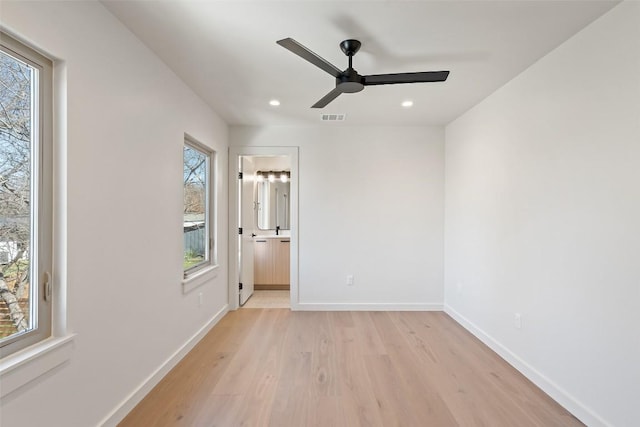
x=191 y=258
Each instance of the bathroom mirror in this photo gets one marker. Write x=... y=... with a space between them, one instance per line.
x=272 y=203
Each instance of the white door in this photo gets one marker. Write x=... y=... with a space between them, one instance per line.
x=246 y=221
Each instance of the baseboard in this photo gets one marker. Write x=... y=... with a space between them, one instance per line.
x=271 y=287
x=557 y=393
x=150 y=382
x=367 y=307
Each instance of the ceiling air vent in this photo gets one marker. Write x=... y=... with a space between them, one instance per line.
x=333 y=117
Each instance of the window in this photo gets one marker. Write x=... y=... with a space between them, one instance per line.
x=25 y=195
x=197 y=225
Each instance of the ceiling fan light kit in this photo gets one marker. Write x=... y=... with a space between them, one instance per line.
x=349 y=80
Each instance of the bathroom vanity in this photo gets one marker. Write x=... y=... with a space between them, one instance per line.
x=271 y=262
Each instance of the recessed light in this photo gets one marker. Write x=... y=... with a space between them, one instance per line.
x=274 y=102
x=407 y=104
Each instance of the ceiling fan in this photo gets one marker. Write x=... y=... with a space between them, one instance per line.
x=349 y=81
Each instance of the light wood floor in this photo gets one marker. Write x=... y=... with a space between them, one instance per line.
x=281 y=368
x=268 y=299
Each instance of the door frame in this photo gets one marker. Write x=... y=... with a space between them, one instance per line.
x=246 y=191
x=234 y=154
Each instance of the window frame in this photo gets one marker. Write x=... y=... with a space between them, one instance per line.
x=41 y=216
x=210 y=214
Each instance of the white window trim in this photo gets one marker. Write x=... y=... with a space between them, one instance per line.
x=199 y=278
x=27 y=365
x=30 y=363
x=209 y=270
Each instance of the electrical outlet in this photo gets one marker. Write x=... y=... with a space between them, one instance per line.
x=200 y=299
x=517 y=320
x=459 y=288
x=350 y=279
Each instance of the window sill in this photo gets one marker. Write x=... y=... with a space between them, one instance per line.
x=199 y=278
x=24 y=366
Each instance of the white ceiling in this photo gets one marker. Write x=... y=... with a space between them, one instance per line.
x=226 y=52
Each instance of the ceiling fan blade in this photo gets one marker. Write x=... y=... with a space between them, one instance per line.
x=390 y=79
x=327 y=99
x=305 y=53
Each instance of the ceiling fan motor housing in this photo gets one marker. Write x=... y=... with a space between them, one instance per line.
x=349 y=81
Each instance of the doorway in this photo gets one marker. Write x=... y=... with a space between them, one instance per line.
x=263 y=221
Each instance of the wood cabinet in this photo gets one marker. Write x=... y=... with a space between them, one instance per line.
x=282 y=254
x=263 y=262
x=271 y=258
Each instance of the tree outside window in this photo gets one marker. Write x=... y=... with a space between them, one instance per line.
x=26 y=195
x=196 y=227
x=16 y=129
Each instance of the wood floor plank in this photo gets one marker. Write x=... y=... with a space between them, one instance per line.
x=274 y=367
x=258 y=399
x=219 y=411
x=389 y=388
x=292 y=393
x=359 y=404
x=470 y=401
x=325 y=411
x=240 y=372
x=369 y=339
x=485 y=382
x=323 y=358
x=422 y=391
x=534 y=404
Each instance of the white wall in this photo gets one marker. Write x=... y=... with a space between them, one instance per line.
x=371 y=205
x=542 y=218
x=127 y=114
